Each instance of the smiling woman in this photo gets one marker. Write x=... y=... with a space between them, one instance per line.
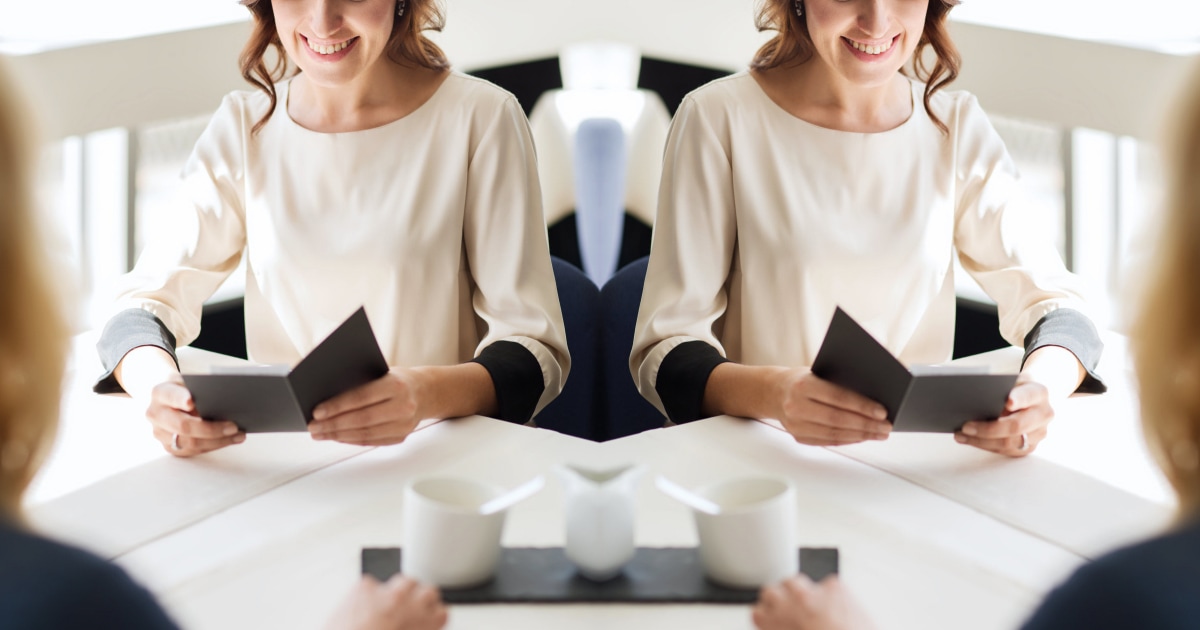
x=793 y=42
x=402 y=36
x=825 y=177
x=371 y=176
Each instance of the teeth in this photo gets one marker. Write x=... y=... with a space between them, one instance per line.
x=871 y=50
x=328 y=50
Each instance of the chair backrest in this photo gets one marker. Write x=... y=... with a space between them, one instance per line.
x=574 y=412
x=599 y=195
x=626 y=412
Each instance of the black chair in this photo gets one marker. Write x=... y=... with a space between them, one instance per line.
x=626 y=412
x=574 y=412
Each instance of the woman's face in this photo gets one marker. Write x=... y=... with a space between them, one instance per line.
x=866 y=41
x=334 y=41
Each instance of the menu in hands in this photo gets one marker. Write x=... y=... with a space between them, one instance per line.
x=273 y=399
x=923 y=399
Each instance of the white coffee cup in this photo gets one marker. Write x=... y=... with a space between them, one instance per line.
x=447 y=541
x=751 y=541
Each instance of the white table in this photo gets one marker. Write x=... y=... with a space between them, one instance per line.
x=268 y=533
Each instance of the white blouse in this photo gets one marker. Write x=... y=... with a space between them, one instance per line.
x=766 y=223
x=433 y=222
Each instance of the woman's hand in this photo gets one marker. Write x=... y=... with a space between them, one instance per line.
x=182 y=433
x=387 y=409
x=149 y=375
x=820 y=413
x=381 y=412
x=813 y=410
x=1017 y=432
x=799 y=604
x=398 y=604
x=1050 y=374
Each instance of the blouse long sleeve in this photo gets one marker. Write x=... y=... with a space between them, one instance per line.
x=508 y=255
x=685 y=294
x=1007 y=250
x=160 y=301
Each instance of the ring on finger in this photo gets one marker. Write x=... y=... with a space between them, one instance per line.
x=175 y=442
x=1024 y=443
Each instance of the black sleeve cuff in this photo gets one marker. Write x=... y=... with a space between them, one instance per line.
x=682 y=377
x=1070 y=329
x=129 y=329
x=517 y=377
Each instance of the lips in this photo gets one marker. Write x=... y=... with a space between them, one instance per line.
x=330 y=48
x=871 y=50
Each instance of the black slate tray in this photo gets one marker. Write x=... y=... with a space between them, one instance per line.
x=545 y=575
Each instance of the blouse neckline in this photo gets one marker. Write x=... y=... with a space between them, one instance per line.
x=917 y=110
x=287 y=93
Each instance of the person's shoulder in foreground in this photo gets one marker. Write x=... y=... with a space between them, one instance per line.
x=44 y=584
x=1154 y=585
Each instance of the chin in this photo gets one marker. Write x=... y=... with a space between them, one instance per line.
x=328 y=80
x=875 y=78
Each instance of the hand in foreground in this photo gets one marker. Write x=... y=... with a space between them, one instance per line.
x=381 y=412
x=150 y=376
x=182 y=433
x=398 y=604
x=799 y=604
x=1017 y=432
x=820 y=413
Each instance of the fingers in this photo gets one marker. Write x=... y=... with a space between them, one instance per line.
x=372 y=393
x=1026 y=394
x=378 y=425
x=824 y=426
x=1010 y=445
x=783 y=606
x=841 y=398
x=1026 y=420
x=419 y=605
x=770 y=597
x=353 y=423
x=172 y=415
x=175 y=421
x=797 y=585
x=388 y=420
x=173 y=394
x=190 y=446
x=815 y=409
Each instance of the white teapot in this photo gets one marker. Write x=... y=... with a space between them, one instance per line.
x=599 y=506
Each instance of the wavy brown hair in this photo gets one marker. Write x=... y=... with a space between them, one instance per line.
x=1165 y=338
x=33 y=330
x=793 y=44
x=407 y=45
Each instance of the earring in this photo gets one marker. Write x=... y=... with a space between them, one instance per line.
x=799 y=8
x=400 y=8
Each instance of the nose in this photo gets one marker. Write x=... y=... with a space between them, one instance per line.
x=326 y=18
x=875 y=19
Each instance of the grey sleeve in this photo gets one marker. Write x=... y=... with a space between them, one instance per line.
x=1070 y=329
x=127 y=330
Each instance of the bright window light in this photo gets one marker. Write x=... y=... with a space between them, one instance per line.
x=1166 y=25
x=27 y=27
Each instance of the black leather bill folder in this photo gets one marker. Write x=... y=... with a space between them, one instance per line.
x=924 y=399
x=273 y=399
